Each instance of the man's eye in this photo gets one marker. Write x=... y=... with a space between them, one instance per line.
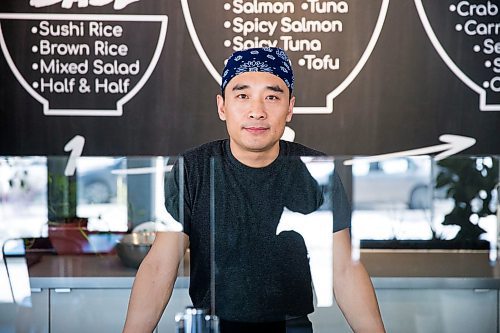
x=242 y=96
x=272 y=97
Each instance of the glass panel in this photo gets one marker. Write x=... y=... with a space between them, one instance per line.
x=87 y=213
x=415 y=202
x=456 y=208
x=71 y=234
x=272 y=238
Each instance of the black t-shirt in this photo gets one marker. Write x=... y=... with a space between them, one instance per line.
x=234 y=210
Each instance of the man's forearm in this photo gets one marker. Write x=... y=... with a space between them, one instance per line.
x=150 y=294
x=357 y=300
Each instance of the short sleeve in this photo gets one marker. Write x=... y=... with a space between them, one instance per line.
x=302 y=192
x=179 y=209
x=341 y=206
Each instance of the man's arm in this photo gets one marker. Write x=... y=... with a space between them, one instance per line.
x=154 y=282
x=353 y=288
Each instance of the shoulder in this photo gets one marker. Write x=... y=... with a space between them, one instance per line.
x=297 y=149
x=206 y=150
x=195 y=162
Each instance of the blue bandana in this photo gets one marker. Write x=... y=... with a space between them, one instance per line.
x=267 y=59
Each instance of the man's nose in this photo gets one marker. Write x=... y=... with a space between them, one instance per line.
x=257 y=110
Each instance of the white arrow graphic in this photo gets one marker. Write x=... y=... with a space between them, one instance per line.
x=453 y=145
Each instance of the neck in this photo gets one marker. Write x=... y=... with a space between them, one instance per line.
x=255 y=159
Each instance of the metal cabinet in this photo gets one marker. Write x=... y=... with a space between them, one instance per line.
x=34 y=319
x=104 y=310
x=439 y=310
x=88 y=310
x=403 y=310
x=424 y=311
x=328 y=320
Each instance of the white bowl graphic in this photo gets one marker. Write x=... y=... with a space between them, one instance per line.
x=117 y=108
x=338 y=88
x=478 y=88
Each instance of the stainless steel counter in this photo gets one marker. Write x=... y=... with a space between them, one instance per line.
x=85 y=271
x=388 y=269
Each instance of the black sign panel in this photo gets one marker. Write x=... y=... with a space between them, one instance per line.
x=139 y=77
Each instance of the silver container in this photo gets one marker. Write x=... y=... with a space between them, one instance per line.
x=196 y=321
x=133 y=247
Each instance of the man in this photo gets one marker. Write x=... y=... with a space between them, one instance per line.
x=229 y=196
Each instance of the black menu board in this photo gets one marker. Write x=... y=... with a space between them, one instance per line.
x=139 y=77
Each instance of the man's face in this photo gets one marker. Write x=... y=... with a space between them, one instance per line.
x=256 y=108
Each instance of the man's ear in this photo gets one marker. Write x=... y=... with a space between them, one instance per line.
x=290 y=109
x=220 y=108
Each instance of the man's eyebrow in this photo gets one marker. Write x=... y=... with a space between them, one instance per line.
x=240 y=87
x=275 y=88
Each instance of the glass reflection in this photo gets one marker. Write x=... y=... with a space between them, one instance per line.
x=392 y=198
x=23 y=196
x=16 y=271
x=414 y=202
x=102 y=192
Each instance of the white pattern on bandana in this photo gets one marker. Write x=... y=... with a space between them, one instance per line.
x=254 y=66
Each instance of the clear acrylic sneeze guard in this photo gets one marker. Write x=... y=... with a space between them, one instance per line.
x=272 y=240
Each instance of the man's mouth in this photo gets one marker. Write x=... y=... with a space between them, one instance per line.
x=255 y=129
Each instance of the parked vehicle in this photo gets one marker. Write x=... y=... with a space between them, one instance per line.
x=405 y=180
x=96 y=181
